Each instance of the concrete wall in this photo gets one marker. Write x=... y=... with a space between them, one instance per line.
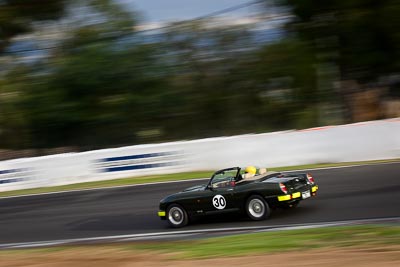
x=353 y=142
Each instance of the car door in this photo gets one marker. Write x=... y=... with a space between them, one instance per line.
x=219 y=196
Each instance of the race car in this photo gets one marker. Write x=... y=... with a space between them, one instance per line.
x=249 y=191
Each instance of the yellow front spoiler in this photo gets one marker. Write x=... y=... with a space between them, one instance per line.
x=161 y=213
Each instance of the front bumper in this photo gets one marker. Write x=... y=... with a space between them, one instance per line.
x=297 y=195
x=162 y=214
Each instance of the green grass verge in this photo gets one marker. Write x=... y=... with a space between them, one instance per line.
x=258 y=243
x=377 y=236
x=168 y=177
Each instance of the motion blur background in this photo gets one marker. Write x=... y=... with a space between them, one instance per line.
x=90 y=74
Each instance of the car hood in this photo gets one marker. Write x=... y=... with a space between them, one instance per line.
x=195 y=188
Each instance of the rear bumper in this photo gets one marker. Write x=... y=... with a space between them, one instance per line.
x=297 y=195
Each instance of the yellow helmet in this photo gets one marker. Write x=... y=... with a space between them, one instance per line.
x=251 y=169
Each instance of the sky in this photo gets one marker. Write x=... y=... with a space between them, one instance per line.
x=158 y=11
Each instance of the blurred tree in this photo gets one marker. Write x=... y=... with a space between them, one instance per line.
x=209 y=79
x=95 y=98
x=92 y=93
x=361 y=36
x=354 y=42
x=285 y=75
x=14 y=127
x=104 y=86
x=17 y=16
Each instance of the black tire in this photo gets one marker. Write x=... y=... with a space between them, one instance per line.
x=257 y=208
x=177 y=216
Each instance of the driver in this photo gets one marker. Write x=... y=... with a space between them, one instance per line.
x=249 y=172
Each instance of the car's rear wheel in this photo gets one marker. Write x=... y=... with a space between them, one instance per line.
x=256 y=208
x=177 y=216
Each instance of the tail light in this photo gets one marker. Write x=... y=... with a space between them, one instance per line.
x=283 y=188
x=310 y=178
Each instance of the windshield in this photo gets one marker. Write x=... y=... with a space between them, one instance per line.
x=224 y=178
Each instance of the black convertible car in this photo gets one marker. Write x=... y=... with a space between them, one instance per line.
x=230 y=190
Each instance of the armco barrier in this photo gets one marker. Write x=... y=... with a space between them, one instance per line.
x=353 y=142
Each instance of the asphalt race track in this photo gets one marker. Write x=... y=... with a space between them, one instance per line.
x=360 y=192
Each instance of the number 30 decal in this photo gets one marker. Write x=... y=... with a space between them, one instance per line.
x=219 y=202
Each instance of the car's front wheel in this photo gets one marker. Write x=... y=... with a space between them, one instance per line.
x=177 y=216
x=256 y=208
